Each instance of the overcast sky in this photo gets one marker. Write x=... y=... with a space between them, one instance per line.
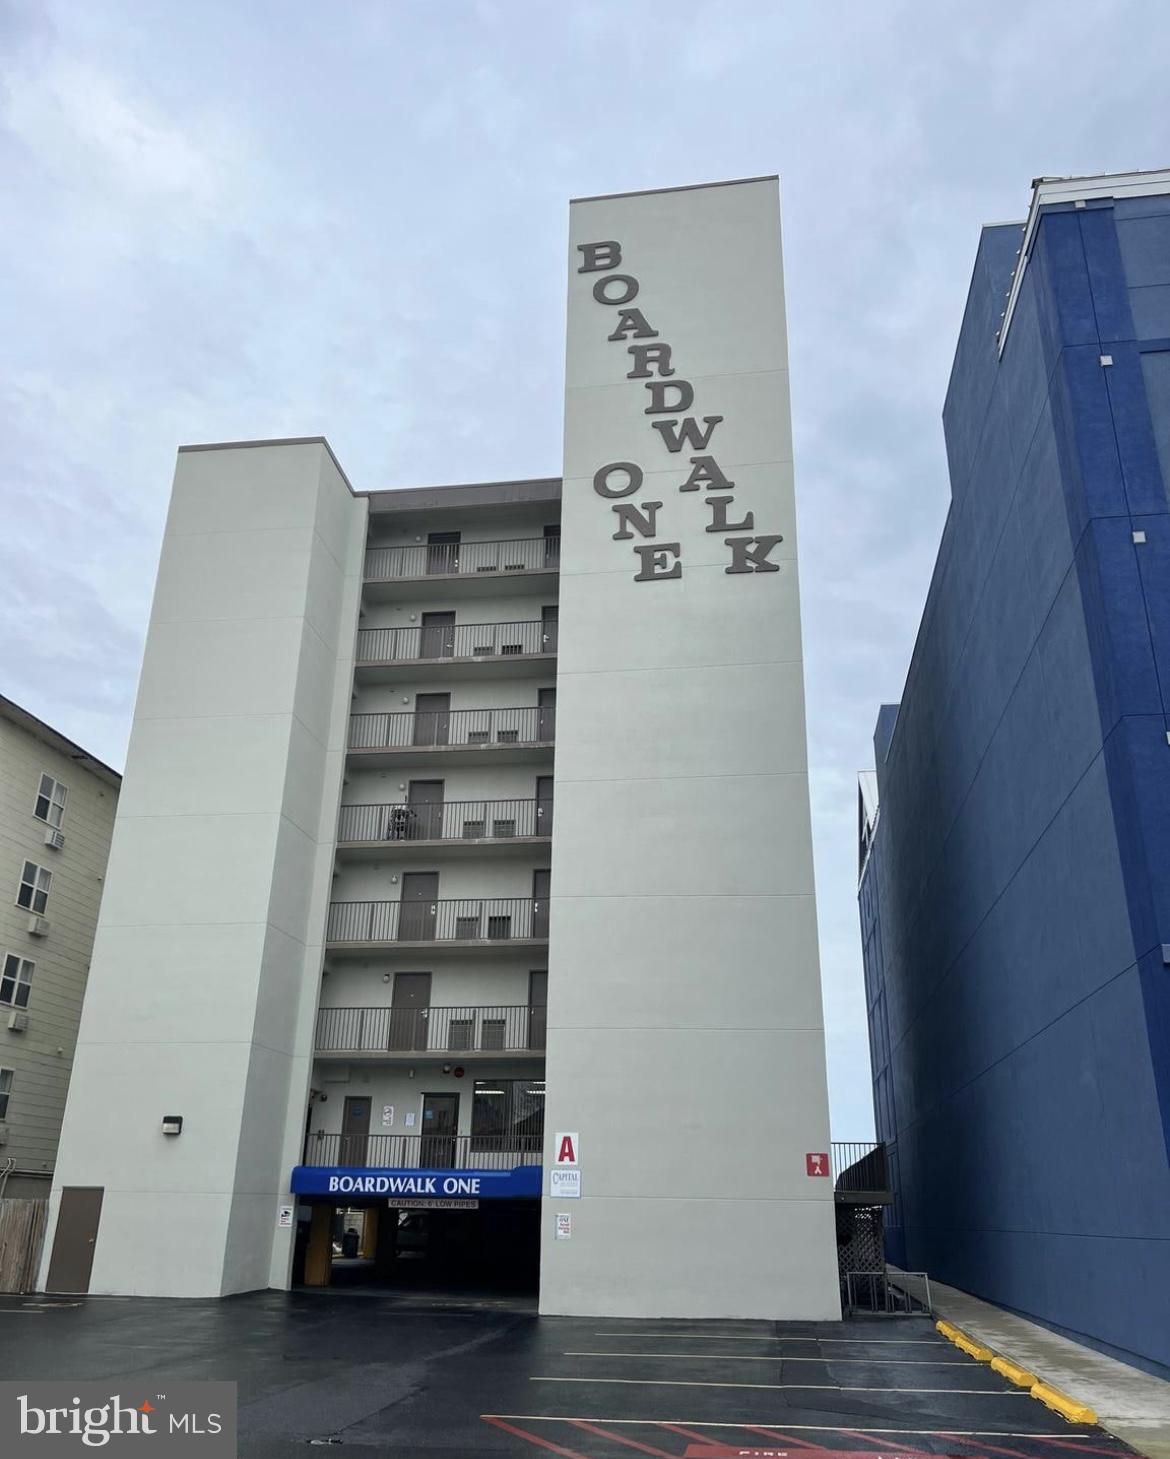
x=233 y=219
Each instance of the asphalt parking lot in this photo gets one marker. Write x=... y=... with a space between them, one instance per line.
x=385 y=1376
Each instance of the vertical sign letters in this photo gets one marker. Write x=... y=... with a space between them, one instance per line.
x=670 y=397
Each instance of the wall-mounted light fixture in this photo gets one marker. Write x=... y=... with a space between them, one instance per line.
x=386 y=977
x=172 y=1124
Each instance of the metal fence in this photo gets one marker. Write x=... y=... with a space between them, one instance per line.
x=458 y=919
x=456 y=641
x=534 y=725
x=886 y=1294
x=859 y=1166
x=471 y=1029
x=448 y=820
x=426 y=1152
x=518 y=554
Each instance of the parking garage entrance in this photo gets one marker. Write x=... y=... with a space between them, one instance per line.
x=445 y=1245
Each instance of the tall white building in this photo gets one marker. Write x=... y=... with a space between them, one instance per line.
x=463 y=866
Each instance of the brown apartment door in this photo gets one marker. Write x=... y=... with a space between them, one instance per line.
x=537 y=1010
x=548 y=618
x=440 y=1124
x=540 y=890
x=425 y=801
x=355 y=1131
x=442 y=552
x=419 y=910
x=410 y=1010
x=76 y=1238
x=544 y=805
x=436 y=639
x=432 y=719
x=546 y=719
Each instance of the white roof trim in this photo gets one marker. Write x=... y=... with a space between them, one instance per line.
x=1048 y=190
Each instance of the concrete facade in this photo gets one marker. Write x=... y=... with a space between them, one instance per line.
x=1014 y=902
x=43 y=974
x=339 y=828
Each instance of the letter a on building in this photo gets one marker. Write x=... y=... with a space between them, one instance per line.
x=566 y=1148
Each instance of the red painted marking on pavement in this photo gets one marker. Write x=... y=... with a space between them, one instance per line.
x=991 y=1448
x=855 y=1434
x=530 y=1438
x=783 y=1438
x=581 y=1423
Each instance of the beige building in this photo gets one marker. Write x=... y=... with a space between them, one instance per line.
x=57 y=807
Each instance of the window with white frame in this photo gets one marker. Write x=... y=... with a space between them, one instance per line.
x=35 y=882
x=5 y=1091
x=16 y=980
x=50 y=806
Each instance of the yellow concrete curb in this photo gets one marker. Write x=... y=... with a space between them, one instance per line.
x=1014 y=1373
x=960 y=1339
x=1061 y=1403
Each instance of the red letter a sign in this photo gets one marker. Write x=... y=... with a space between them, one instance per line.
x=566 y=1150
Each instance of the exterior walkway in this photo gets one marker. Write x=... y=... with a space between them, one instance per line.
x=1133 y=1405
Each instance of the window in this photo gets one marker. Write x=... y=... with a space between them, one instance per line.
x=35 y=882
x=50 y=806
x=507 y=1114
x=5 y=1091
x=16 y=980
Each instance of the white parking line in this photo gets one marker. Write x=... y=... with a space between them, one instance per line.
x=901 y=1342
x=706 y=1423
x=805 y=1387
x=780 y=1358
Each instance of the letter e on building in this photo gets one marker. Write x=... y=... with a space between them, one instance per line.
x=566 y=1148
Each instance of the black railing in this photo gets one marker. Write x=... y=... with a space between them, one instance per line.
x=459 y=919
x=426 y=1152
x=447 y=820
x=456 y=641
x=533 y=725
x=519 y=554
x=859 y=1166
x=464 y=1030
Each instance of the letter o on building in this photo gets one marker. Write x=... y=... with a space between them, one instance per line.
x=626 y=282
x=633 y=479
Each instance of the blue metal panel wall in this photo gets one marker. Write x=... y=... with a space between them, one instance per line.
x=1022 y=866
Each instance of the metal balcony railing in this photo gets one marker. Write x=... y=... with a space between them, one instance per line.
x=426 y=1152
x=458 y=919
x=519 y=554
x=448 y=820
x=456 y=641
x=859 y=1167
x=533 y=725
x=462 y=1030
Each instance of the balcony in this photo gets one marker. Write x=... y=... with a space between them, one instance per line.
x=456 y=827
x=477 y=922
x=860 y=1171
x=425 y=1152
x=471 y=569
x=471 y=1031
x=461 y=650
x=453 y=736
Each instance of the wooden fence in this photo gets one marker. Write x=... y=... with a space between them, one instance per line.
x=22 y=1233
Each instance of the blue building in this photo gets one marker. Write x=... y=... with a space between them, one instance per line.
x=1015 y=876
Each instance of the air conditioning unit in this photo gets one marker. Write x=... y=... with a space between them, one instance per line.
x=38 y=926
x=18 y=1021
x=55 y=839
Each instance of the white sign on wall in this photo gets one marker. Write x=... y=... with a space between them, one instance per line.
x=284 y=1215
x=564 y=1183
x=387 y=1114
x=566 y=1149
x=564 y=1226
